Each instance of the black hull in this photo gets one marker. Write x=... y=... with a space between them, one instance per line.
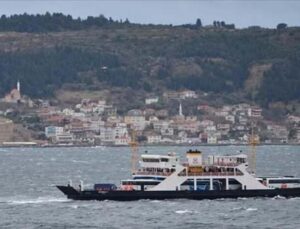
x=72 y=193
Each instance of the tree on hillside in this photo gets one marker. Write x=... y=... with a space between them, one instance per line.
x=126 y=21
x=50 y=22
x=198 y=22
x=282 y=26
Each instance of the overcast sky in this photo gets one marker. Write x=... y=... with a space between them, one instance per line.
x=243 y=13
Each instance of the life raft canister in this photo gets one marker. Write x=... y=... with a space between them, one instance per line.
x=284 y=186
x=127 y=187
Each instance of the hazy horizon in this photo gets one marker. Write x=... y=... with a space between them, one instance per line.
x=243 y=13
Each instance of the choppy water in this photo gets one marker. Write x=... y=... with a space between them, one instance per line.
x=29 y=200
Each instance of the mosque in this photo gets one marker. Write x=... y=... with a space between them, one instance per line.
x=14 y=96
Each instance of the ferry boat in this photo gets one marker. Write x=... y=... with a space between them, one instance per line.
x=165 y=177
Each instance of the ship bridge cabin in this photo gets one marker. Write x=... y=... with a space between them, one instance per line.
x=158 y=164
x=212 y=165
x=153 y=170
x=227 y=160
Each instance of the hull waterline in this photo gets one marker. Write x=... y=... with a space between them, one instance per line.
x=74 y=194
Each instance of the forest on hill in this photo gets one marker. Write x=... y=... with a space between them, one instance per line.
x=51 y=51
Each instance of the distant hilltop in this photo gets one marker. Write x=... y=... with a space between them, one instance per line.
x=53 y=52
x=58 y=22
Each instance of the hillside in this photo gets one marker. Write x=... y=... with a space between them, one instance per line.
x=255 y=63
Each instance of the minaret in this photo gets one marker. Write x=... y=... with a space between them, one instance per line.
x=180 y=109
x=18 y=86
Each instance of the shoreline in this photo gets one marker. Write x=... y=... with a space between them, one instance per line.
x=144 y=145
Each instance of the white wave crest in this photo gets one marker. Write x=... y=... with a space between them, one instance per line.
x=251 y=209
x=39 y=200
x=80 y=162
x=278 y=197
x=183 y=211
x=156 y=201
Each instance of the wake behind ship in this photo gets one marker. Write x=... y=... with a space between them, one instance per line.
x=165 y=177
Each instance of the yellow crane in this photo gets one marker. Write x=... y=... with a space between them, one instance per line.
x=134 y=152
x=253 y=141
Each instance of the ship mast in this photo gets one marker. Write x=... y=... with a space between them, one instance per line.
x=134 y=152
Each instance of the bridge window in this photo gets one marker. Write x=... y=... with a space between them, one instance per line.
x=150 y=160
x=279 y=181
x=241 y=160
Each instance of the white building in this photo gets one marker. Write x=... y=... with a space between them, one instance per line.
x=183 y=136
x=68 y=112
x=114 y=119
x=153 y=139
x=53 y=131
x=223 y=128
x=243 y=120
x=188 y=94
x=117 y=134
x=123 y=141
x=221 y=113
x=151 y=100
x=64 y=138
x=122 y=137
x=78 y=115
x=212 y=128
x=158 y=125
x=121 y=130
x=212 y=139
x=153 y=119
x=95 y=125
x=254 y=112
x=230 y=118
x=240 y=127
x=191 y=118
x=278 y=132
x=293 y=119
x=107 y=134
x=137 y=122
x=167 y=132
x=227 y=108
x=206 y=123
x=191 y=126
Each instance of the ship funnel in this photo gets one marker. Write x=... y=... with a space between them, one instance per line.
x=194 y=157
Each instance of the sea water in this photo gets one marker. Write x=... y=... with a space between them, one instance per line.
x=28 y=198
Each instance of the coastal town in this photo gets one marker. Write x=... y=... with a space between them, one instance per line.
x=93 y=122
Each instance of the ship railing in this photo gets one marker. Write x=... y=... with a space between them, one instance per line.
x=225 y=164
x=237 y=173
x=186 y=164
x=153 y=173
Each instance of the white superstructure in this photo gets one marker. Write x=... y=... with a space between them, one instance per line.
x=227 y=172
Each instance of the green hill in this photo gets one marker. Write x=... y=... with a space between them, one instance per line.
x=48 y=52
